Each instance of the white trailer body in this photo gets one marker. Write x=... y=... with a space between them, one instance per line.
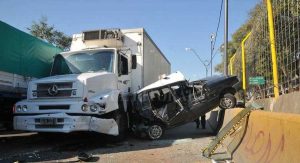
x=85 y=93
x=151 y=62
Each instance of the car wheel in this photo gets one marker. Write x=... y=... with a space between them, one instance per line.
x=155 y=131
x=227 y=101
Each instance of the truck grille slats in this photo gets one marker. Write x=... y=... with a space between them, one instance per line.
x=63 y=89
x=45 y=86
x=61 y=93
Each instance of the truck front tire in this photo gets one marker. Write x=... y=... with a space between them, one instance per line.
x=120 y=117
x=121 y=120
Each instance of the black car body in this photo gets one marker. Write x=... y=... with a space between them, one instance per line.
x=173 y=101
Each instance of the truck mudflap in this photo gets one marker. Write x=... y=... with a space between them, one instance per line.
x=61 y=122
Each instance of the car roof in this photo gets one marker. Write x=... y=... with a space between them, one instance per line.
x=170 y=79
x=209 y=79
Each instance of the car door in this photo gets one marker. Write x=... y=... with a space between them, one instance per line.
x=178 y=109
x=203 y=102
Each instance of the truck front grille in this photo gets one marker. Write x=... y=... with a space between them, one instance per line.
x=63 y=89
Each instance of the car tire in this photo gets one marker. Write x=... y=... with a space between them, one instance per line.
x=155 y=131
x=227 y=101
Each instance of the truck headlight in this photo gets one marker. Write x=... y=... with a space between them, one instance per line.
x=95 y=107
x=74 y=93
x=84 y=107
x=24 y=108
x=34 y=94
x=102 y=106
x=19 y=108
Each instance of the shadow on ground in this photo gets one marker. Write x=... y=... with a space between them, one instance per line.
x=32 y=147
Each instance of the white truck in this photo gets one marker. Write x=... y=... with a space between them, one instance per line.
x=89 y=86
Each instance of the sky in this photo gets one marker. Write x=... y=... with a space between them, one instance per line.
x=173 y=24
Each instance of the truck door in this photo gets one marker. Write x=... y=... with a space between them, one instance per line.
x=124 y=82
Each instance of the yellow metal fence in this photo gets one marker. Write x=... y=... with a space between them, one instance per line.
x=271 y=50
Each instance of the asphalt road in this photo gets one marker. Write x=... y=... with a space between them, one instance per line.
x=181 y=144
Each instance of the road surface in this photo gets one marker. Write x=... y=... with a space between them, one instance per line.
x=181 y=144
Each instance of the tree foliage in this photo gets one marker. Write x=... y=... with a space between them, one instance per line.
x=238 y=36
x=48 y=32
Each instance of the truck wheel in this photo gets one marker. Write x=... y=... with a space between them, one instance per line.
x=227 y=101
x=121 y=120
x=155 y=131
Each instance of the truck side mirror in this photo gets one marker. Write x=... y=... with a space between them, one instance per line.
x=133 y=62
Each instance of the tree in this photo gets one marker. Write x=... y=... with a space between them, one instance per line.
x=48 y=32
x=239 y=35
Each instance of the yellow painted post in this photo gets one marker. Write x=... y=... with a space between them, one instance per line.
x=228 y=68
x=231 y=64
x=273 y=48
x=244 y=61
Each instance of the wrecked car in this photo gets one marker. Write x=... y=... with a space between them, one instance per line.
x=173 y=101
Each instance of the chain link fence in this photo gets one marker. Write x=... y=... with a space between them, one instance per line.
x=286 y=18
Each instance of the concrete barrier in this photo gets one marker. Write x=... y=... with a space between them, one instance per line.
x=218 y=117
x=288 y=103
x=269 y=137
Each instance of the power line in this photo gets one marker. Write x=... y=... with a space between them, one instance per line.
x=217 y=30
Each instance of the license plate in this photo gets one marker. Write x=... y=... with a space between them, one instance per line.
x=48 y=121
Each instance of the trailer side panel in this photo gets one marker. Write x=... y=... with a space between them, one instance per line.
x=155 y=63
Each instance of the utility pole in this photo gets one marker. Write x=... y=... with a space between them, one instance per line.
x=212 y=39
x=226 y=39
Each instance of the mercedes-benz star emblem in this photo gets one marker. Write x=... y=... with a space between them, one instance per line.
x=53 y=90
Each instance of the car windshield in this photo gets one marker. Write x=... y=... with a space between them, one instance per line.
x=83 y=62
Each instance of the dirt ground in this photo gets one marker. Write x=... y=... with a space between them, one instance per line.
x=181 y=144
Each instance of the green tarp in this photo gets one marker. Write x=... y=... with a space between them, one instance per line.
x=24 y=54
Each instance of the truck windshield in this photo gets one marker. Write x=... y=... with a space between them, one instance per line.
x=83 y=62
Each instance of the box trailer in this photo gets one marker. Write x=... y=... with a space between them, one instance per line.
x=22 y=57
x=89 y=87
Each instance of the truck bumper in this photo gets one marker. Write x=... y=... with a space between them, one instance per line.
x=65 y=123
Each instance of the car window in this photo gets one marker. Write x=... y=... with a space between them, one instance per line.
x=179 y=90
x=154 y=94
x=166 y=95
x=143 y=100
x=198 y=91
